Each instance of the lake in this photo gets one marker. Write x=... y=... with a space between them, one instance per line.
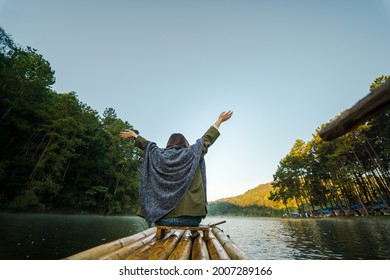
x=50 y=237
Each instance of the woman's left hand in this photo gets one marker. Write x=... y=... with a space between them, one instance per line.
x=128 y=134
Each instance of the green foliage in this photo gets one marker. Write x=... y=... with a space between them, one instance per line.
x=254 y=202
x=378 y=81
x=223 y=208
x=351 y=170
x=57 y=153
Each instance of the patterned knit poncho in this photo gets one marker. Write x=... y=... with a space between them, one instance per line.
x=165 y=176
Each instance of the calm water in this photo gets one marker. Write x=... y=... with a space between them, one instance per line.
x=37 y=237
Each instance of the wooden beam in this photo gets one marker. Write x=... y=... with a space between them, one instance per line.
x=375 y=103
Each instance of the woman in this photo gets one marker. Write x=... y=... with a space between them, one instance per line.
x=173 y=180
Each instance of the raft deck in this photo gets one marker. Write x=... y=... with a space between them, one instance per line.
x=171 y=243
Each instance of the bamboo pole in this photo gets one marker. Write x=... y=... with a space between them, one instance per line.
x=217 y=252
x=199 y=248
x=122 y=253
x=367 y=108
x=231 y=248
x=160 y=249
x=183 y=248
x=137 y=254
x=98 y=251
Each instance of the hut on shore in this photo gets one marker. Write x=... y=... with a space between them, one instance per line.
x=183 y=243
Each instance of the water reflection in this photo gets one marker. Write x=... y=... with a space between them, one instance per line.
x=339 y=238
x=353 y=239
x=58 y=236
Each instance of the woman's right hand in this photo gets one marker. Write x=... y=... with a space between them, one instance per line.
x=223 y=117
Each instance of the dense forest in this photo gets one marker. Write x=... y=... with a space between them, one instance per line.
x=58 y=154
x=350 y=173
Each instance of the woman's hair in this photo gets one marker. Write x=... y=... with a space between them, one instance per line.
x=179 y=140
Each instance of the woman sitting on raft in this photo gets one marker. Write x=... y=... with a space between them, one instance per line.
x=173 y=180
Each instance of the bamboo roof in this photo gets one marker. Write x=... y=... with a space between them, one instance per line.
x=373 y=104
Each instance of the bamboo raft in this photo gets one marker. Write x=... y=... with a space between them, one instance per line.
x=168 y=243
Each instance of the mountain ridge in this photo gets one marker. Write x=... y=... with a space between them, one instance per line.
x=257 y=196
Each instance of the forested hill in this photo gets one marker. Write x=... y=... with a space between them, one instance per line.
x=58 y=154
x=254 y=202
x=256 y=196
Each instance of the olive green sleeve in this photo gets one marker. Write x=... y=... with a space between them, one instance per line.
x=209 y=138
x=140 y=142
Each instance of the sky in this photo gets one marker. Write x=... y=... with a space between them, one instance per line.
x=283 y=67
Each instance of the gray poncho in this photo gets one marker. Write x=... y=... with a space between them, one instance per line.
x=165 y=177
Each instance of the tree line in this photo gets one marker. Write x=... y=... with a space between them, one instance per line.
x=351 y=172
x=58 y=154
x=224 y=208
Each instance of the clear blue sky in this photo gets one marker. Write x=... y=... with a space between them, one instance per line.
x=283 y=67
